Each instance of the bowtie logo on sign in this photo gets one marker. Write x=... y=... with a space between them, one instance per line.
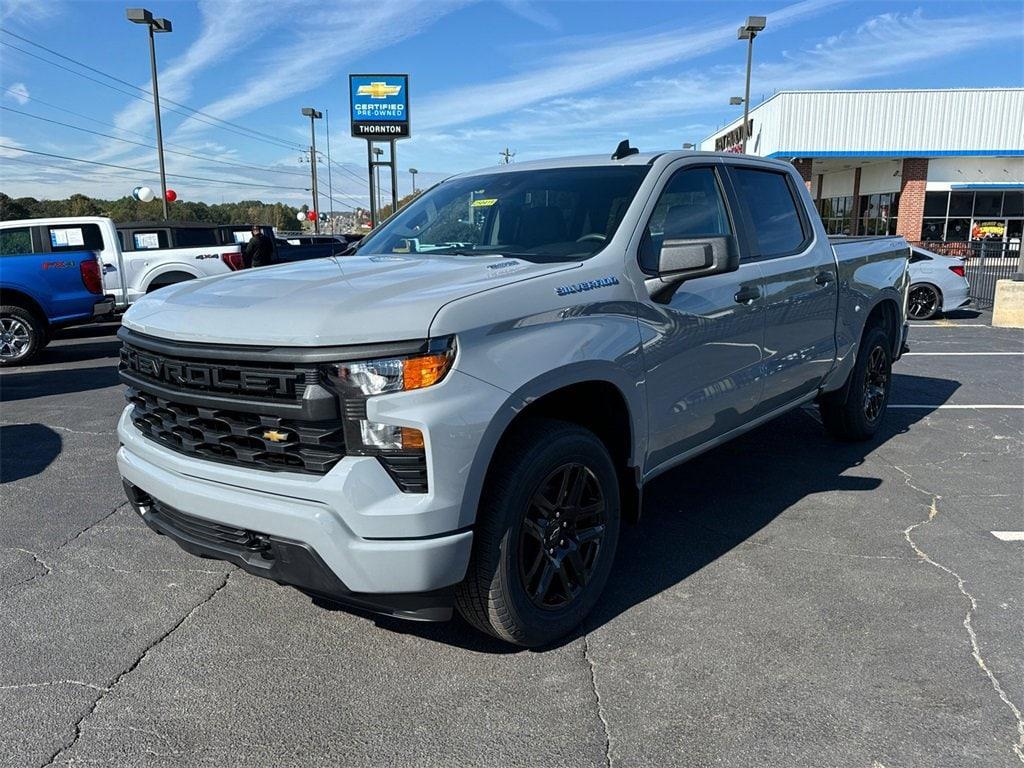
x=379 y=90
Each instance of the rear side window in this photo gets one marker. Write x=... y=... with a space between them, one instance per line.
x=772 y=210
x=82 y=237
x=916 y=256
x=14 y=241
x=194 y=238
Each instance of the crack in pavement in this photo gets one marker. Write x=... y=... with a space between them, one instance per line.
x=96 y=702
x=597 y=699
x=933 y=511
x=48 y=569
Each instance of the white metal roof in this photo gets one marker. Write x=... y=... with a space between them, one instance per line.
x=886 y=123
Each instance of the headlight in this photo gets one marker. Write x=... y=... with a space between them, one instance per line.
x=357 y=380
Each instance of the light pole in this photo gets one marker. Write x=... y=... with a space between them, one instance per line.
x=142 y=16
x=313 y=116
x=748 y=32
x=330 y=182
x=413 y=172
x=688 y=145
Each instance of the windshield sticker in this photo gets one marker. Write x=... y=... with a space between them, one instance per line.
x=486 y=202
x=587 y=285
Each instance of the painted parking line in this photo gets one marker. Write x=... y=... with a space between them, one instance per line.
x=1009 y=535
x=990 y=407
x=962 y=354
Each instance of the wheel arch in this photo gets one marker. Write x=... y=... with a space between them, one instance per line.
x=595 y=402
x=168 y=275
x=22 y=299
x=885 y=314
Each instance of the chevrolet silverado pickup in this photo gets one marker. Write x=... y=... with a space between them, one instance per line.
x=462 y=413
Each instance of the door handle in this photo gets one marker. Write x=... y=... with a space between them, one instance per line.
x=747 y=294
x=823 y=278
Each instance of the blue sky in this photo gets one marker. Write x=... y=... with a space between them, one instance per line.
x=544 y=79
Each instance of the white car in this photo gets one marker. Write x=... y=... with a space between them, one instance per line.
x=937 y=284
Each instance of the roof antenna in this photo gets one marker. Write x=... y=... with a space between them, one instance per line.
x=624 y=150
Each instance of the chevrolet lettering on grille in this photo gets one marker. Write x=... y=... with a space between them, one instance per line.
x=206 y=376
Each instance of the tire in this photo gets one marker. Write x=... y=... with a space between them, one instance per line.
x=519 y=542
x=855 y=412
x=924 y=301
x=22 y=335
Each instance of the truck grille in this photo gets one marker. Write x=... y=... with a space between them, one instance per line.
x=234 y=437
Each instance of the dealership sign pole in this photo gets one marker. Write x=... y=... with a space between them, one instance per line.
x=380 y=113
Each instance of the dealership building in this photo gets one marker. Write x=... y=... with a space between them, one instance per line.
x=934 y=165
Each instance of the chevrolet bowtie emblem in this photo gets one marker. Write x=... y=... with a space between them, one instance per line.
x=274 y=436
x=378 y=90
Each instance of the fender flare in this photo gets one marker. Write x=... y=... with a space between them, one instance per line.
x=533 y=390
x=164 y=269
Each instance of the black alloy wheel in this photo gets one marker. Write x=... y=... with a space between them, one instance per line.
x=561 y=535
x=876 y=384
x=923 y=302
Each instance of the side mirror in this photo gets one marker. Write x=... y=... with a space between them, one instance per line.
x=682 y=260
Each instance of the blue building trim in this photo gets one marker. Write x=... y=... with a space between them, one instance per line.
x=901 y=153
x=993 y=185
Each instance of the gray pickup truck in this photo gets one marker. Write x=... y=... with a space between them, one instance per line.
x=462 y=413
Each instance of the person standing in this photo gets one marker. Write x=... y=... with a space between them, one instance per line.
x=259 y=251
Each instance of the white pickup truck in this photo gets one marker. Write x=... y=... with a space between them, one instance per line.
x=140 y=257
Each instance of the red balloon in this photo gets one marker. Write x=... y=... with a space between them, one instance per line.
x=311 y=216
x=171 y=195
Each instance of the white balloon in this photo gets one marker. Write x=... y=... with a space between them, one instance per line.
x=135 y=192
x=146 y=194
x=300 y=216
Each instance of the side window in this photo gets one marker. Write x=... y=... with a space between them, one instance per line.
x=772 y=210
x=84 y=237
x=916 y=256
x=690 y=206
x=198 y=237
x=15 y=241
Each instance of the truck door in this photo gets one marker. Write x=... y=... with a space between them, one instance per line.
x=702 y=345
x=800 y=283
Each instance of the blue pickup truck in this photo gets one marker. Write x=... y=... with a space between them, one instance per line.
x=44 y=286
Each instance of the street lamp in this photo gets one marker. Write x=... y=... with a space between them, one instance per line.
x=748 y=32
x=413 y=172
x=142 y=16
x=688 y=145
x=313 y=116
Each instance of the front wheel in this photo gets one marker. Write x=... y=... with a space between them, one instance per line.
x=545 y=538
x=923 y=302
x=855 y=412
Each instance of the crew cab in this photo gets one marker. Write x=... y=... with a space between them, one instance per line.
x=44 y=286
x=139 y=257
x=463 y=413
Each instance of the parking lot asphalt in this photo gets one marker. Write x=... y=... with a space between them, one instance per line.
x=785 y=601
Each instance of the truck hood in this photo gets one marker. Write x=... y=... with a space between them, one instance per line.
x=322 y=302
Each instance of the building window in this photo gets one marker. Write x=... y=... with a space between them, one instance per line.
x=878 y=214
x=836 y=214
x=960 y=216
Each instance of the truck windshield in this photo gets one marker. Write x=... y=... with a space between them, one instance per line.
x=556 y=214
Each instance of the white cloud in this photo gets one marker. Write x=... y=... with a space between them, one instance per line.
x=533 y=12
x=593 y=63
x=18 y=92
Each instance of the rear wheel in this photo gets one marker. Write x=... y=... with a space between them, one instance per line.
x=855 y=412
x=546 y=534
x=923 y=302
x=22 y=335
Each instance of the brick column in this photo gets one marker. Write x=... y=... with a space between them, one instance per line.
x=803 y=167
x=910 y=216
x=855 y=218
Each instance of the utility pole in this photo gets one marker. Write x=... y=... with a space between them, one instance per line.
x=313 y=116
x=507 y=155
x=142 y=16
x=377 y=152
x=330 y=183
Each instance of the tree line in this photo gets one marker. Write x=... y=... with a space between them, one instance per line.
x=129 y=209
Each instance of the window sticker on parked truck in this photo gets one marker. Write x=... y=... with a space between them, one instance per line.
x=66 y=238
x=486 y=202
